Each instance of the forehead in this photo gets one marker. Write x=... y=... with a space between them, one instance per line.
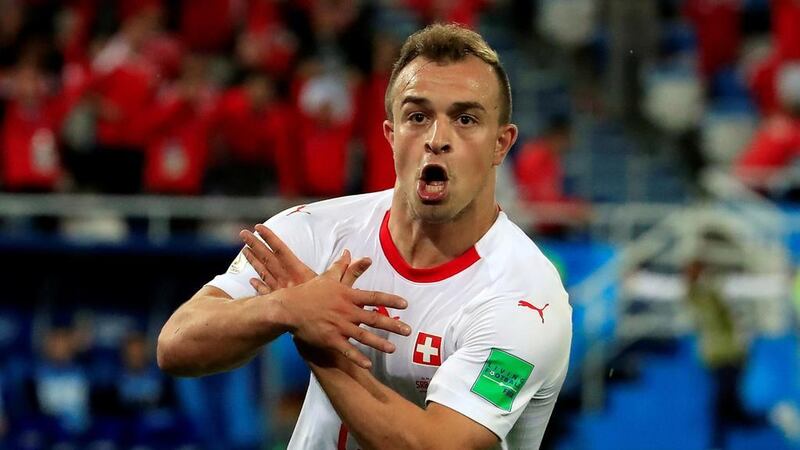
x=468 y=80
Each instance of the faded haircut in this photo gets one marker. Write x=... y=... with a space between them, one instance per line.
x=447 y=43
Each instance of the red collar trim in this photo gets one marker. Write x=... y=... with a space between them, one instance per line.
x=427 y=275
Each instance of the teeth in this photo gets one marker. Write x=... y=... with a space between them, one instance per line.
x=432 y=188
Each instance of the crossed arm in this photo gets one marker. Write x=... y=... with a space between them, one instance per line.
x=376 y=415
x=212 y=332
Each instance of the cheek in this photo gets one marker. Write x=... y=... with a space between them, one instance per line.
x=405 y=159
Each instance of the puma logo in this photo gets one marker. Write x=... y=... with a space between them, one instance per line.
x=299 y=210
x=538 y=310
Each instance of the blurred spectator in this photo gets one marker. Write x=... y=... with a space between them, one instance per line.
x=326 y=123
x=146 y=397
x=717 y=24
x=722 y=345
x=125 y=86
x=30 y=157
x=142 y=386
x=334 y=36
x=178 y=131
x=60 y=388
x=266 y=43
x=378 y=157
x=249 y=138
x=777 y=141
x=540 y=178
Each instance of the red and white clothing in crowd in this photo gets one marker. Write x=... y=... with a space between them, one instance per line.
x=29 y=134
x=245 y=128
x=538 y=172
x=324 y=150
x=125 y=84
x=775 y=145
x=30 y=155
x=786 y=42
x=326 y=115
x=491 y=329
x=261 y=133
x=177 y=152
x=266 y=43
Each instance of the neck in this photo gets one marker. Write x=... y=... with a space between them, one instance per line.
x=424 y=244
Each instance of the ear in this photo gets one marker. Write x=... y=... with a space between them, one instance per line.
x=388 y=132
x=506 y=136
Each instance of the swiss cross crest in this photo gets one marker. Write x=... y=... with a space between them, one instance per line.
x=428 y=350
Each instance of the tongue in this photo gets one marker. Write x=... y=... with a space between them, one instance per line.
x=432 y=191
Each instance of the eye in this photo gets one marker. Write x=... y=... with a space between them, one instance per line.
x=416 y=117
x=465 y=119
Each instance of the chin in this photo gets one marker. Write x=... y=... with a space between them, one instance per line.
x=438 y=212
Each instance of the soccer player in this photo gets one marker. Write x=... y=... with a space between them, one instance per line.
x=473 y=352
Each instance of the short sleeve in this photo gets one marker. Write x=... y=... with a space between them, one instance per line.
x=295 y=228
x=511 y=352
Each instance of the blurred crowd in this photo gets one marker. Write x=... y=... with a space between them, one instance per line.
x=210 y=96
x=76 y=388
x=279 y=97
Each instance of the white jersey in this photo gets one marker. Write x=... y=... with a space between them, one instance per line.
x=491 y=329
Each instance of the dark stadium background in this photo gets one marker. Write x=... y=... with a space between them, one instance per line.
x=656 y=167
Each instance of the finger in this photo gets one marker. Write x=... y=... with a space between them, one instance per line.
x=355 y=270
x=375 y=298
x=380 y=321
x=297 y=270
x=262 y=270
x=337 y=269
x=353 y=354
x=370 y=339
x=279 y=248
x=260 y=287
x=265 y=255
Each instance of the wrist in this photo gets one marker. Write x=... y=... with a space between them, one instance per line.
x=275 y=313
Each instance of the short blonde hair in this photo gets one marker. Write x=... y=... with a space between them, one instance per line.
x=444 y=43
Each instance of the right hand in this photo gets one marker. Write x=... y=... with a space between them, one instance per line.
x=324 y=310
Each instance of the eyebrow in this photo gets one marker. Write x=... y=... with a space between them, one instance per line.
x=459 y=107
x=416 y=100
x=455 y=108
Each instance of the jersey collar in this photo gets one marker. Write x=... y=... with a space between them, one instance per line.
x=429 y=274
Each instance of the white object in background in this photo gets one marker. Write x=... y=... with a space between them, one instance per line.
x=99 y=227
x=674 y=101
x=569 y=23
x=724 y=136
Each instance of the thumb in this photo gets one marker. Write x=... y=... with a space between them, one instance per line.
x=337 y=269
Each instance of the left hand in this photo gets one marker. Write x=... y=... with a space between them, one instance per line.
x=278 y=267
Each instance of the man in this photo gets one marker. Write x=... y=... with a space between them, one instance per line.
x=489 y=320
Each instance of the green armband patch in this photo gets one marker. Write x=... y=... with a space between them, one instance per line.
x=501 y=378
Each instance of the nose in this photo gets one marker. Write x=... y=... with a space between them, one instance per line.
x=438 y=140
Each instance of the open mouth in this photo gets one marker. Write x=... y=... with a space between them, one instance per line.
x=432 y=184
